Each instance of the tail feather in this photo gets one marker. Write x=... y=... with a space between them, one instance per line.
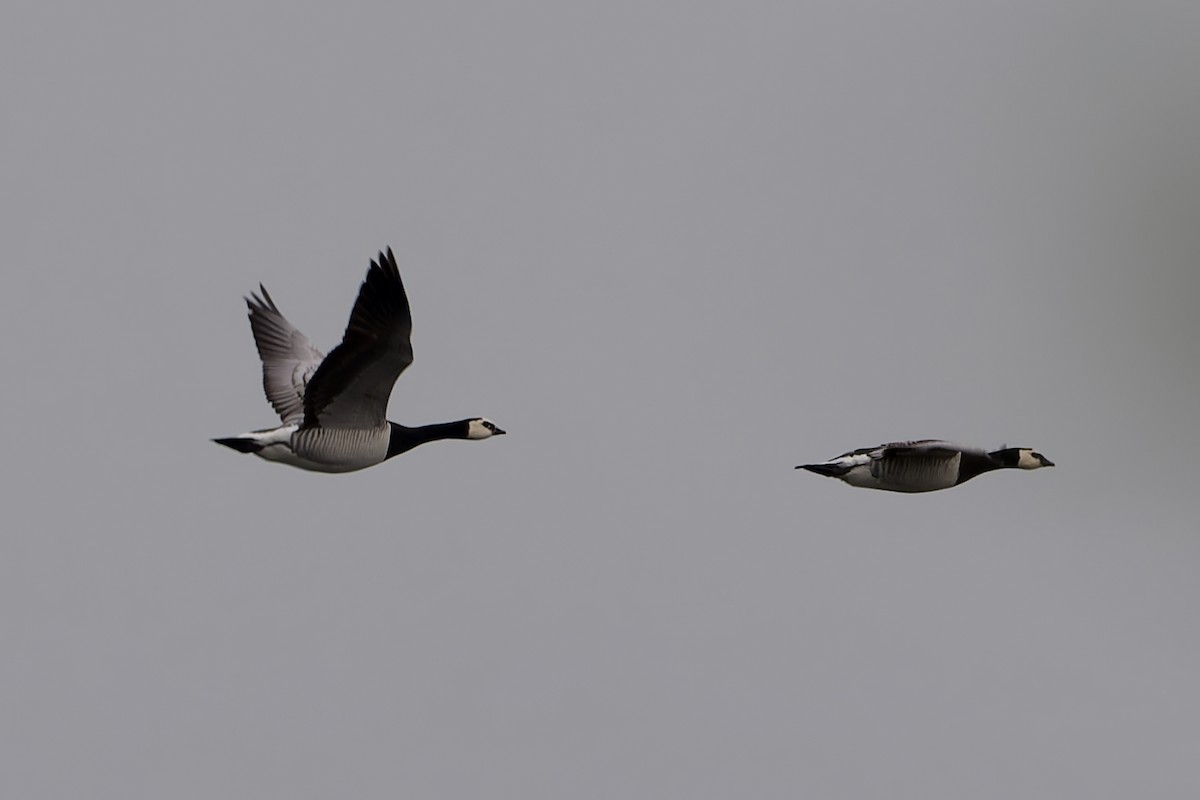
x=828 y=470
x=242 y=444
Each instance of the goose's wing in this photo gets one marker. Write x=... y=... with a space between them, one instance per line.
x=289 y=359
x=351 y=387
x=922 y=465
x=919 y=448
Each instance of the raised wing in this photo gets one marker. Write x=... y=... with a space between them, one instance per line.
x=351 y=387
x=289 y=359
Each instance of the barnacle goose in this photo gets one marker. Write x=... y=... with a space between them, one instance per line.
x=923 y=465
x=334 y=407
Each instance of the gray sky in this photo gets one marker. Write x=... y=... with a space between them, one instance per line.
x=674 y=249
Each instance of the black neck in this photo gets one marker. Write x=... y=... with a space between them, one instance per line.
x=405 y=439
x=974 y=463
x=1008 y=457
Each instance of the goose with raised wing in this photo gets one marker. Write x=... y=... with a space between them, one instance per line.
x=334 y=408
x=923 y=465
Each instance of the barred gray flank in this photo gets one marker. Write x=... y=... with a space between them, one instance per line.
x=350 y=448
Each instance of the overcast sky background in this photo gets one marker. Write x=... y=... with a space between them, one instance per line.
x=674 y=248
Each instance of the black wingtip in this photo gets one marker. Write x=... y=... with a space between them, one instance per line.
x=386 y=262
x=240 y=444
x=261 y=300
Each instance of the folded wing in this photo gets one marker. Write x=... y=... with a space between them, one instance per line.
x=919 y=448
x=920 y=465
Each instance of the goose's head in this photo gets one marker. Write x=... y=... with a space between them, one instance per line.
x=1029 y=459
x=480 y=428
x=1022 y=458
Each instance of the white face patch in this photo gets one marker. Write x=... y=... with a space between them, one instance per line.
x=1027 y=460
x=482 y=429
